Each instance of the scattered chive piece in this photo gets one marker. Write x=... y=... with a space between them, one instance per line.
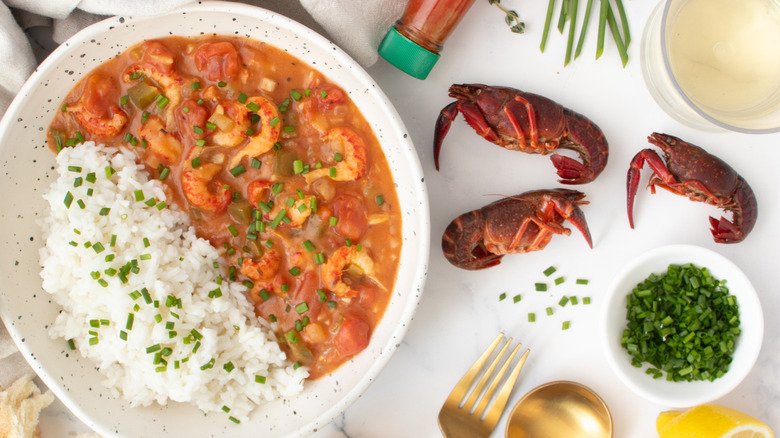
x=549 y=271
x=582 y=281
x=302 y=308
x=242 y=97
x=195 y=162
x=531 y=317
x=565 y=325
x=256 y=163
x=308 y=246
x=195 y=85
x=516 y=298
x=585 y=300
x=296 y=95
x=164 y=173
x=540 y=287
x=260 y=379
x=333 y=221
x=574 y=300
x=563 y=301
x=502 y=297
x=380 y=200
x=319 y=258
x=559 y=281
x=549 y=311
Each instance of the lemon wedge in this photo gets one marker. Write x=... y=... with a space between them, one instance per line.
x=710 y=421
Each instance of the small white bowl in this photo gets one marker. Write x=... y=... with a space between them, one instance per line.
x=660 y=390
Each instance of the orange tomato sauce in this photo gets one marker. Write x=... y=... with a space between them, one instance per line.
x=276 y=167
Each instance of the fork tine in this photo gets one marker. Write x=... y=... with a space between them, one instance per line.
x=494 y=414
x=496 y=379
x=463 y=385
x=471 y=402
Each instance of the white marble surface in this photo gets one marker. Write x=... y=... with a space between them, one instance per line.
x=460 y=311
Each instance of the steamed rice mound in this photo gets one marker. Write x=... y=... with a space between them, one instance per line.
x=115 y=248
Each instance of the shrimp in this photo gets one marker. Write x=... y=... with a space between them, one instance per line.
x=262 y=268
x=232 y=120
x=158 y=141
x=270 y=128
x=157 y=64
x=298 y=212
x=344 y=257
x=94 y=111
x=263 y=271
x=195 y=184
x=353 y=164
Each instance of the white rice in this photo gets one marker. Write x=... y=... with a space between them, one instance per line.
x=176 y=264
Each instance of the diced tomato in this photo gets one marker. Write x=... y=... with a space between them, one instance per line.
x=189 y=115
x=100 y=94
x=351 y=213
x=217 y=60
x=353 y=336
x=330 y=96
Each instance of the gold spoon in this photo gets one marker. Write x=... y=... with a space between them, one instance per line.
x=560 y=409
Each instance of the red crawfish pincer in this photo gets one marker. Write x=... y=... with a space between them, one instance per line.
x=513 y=225
x=689 y=170
x=527 y=122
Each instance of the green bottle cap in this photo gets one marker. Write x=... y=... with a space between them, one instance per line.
x=407 y=55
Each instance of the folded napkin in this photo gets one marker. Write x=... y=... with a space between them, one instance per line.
x=30 y=29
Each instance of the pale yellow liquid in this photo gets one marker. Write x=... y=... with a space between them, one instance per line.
x=725 y=54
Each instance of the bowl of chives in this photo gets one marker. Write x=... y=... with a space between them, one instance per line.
x=681 y=325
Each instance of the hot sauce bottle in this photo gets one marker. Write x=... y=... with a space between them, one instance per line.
x=414 y=42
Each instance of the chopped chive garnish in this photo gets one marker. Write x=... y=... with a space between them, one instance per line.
x=296 y=95
x=238 y=170
x=319 y=258
x=559 y=281
x=565 y=325
x=574 y=301
x=502 y=297
x=68 y=199
x=302 y=308
x=541 y=287
x=563 y=301
x=195 y=162
x=549 y=271
x=308 y=245
x=585 y=300
x=549 y=311
x=260 y=379
x=517 y=298
x=531 y=317
x=582 y=281
x=380 y=200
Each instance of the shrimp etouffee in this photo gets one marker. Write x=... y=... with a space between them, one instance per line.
x=276 y=167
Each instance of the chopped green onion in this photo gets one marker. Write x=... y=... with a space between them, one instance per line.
x=540 y=287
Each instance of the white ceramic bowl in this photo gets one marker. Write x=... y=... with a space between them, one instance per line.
x=661 y=391
x=27 y=170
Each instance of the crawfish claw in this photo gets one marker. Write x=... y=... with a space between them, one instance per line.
x=446 y=116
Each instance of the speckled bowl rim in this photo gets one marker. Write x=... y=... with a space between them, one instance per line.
x=26 y=309
x=613 y=322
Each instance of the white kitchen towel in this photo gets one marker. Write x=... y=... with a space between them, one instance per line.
x=357 y=26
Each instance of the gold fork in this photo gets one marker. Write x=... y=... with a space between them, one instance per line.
x=459 y=419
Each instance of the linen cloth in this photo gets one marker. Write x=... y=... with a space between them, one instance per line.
x=31 y=29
